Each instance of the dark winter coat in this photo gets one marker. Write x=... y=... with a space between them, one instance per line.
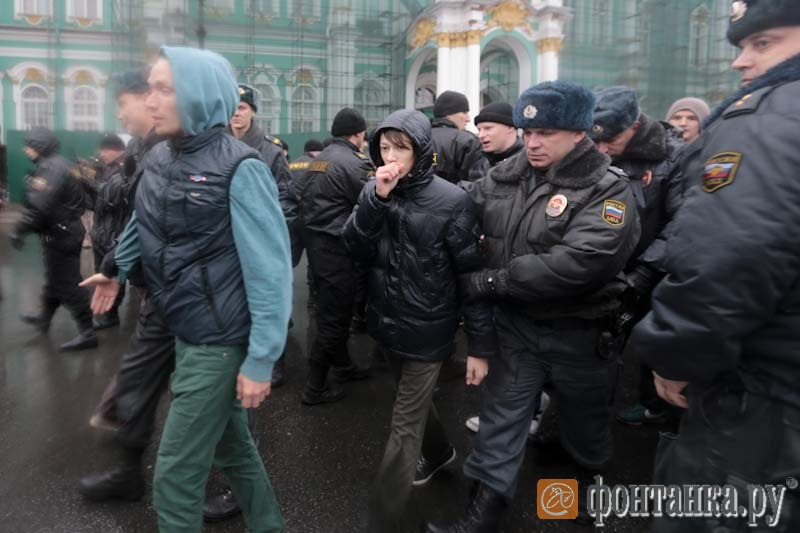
x=728 y=312
x=415 y=244
x=54 y=195
x=652 y=162
x=458 y=154
x=549 y=262
x=336 y=178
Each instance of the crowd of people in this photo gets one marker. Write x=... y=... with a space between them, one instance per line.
x=599 y=237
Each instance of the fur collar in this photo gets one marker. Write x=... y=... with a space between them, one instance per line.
x=649 y=143
x=584 y=166
x=781 y=73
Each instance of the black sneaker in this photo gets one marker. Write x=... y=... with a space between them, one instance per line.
x=326 y=395
x=220 y=507
x=427 y=469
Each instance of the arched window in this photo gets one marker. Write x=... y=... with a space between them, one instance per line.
x=34 y=7
x=370 y=100
x=35 y=108
x=601 y=22
x=269 y=105
x=699 y=37
x=85 y=111
x=305 y=110
x=85 y=9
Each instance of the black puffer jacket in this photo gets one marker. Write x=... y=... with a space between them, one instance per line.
x=558 y=250
x=416 y=243
x=335 y=179
x=54 y=196
x=458 y=154
x=111 y=209
x=652 y=163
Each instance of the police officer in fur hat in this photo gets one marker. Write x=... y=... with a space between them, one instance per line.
x=560 y=225
x=722 y=335
x=649 y=152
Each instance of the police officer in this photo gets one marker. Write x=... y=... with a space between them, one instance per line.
x=559 y=225
x=722 y=337
x=111 y=212
x=336 y=178
x=300 y=174
x=55 y=200
x=497 y=133
x=457 y=153
x=649 y=152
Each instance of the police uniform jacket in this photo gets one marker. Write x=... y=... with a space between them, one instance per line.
x=652 y=163
x=54 y=196
x=458 y=153
x=336 y=178
x=416 y=243
x=557 y=251
x=728 y=310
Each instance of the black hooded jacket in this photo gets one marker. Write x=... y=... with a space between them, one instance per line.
x=54 y=196
x=416 y=244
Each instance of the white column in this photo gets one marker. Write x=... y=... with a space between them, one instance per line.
x=547 y=58
x=473 y=82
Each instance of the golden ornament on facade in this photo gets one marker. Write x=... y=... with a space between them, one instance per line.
x=83 y=22
x=423 y=32
x=33 y=19
x=304 y=77
x=508 y=15
x=34 y=75
x=549 y=44
x=474 y=36
x=84 y=77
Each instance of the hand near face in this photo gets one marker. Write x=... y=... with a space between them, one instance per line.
x=386 y=178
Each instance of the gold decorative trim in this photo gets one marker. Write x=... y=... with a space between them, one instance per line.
x=475 y=36
x=509 y=15
x=549 y=44
x=424 y=31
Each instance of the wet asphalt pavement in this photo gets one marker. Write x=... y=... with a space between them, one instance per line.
x=320 y=459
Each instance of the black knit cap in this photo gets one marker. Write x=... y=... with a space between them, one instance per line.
x=132 y=81
x=112 y=141
x=751 y=16
x=313 y=145
x=449 y=103
x=499 y=112
x=348 y=121
x=248 y=96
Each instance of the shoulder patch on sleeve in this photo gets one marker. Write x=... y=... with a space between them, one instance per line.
x=39 y=183
x=319 y=166
x=272 y=139
x=614 y=212
x=720 y=170
x=361 y=155
x=299 y=165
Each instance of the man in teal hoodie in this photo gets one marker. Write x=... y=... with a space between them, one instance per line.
x=209 y=234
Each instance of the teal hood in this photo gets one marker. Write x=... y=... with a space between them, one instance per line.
x=206 y=91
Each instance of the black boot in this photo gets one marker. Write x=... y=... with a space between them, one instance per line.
x=85 y=340
x=124 y=481
x=40 y=322
x=220 y=507
x=351 y=372
x=317 y=390
x=482 y=515
x=278 y=372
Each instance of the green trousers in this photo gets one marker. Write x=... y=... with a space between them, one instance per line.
x=207 y=425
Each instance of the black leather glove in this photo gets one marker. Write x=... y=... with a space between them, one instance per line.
x=17 y=241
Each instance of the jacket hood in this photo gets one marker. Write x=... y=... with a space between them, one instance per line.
x=43 y=141
x=205 y=88
x=418 y=127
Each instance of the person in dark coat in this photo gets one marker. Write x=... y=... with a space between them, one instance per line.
x=687 y=114
x=55 y=200
x=337 y=176
x=722 y=336
x=649 y=152
x=457 y=153
x=559 y=227
x=300 y=174
x=497 y=133
x=416 y=234
x=111 y=212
